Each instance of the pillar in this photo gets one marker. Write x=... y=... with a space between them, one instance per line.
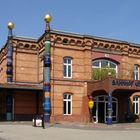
x=9 y=71
x=47 y=72
x=109 y=119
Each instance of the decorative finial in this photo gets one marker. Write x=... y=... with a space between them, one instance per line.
x=48 y=18
x=10 y=25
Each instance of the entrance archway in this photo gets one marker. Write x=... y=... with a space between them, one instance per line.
x=100 y=113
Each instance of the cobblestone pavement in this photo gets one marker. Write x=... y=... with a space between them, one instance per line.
x=69 y=131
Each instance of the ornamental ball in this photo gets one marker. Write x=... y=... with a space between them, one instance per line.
x=10 y=25
x=47 y=18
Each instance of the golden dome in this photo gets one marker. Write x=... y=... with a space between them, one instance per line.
x=10 y=25
x=47 y=18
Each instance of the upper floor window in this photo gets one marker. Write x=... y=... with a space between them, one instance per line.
x=102 y=68
x=67 y=104
x=136 y=72
x=67 y=67
x=136 y=105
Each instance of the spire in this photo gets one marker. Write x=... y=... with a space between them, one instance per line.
x=47 y=19
x=10 y=27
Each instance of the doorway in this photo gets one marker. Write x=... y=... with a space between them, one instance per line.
x=100 y=113
x=9 y=108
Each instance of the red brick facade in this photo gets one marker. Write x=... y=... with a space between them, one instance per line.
x=28 y=72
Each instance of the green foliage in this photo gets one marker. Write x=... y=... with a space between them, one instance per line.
x=100 y=74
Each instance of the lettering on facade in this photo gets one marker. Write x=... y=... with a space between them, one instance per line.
x=127 y=83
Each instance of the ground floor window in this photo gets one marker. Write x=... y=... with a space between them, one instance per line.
x=136 y=105
x=100 y=112
x=67 y=104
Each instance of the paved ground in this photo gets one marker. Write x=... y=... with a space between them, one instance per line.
x=25 y=131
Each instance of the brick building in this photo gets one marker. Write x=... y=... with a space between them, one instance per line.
x=81 y=66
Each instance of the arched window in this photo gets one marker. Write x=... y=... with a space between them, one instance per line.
x=136 y=105
x=67 y=104
x=67 y=67
x=102 y=68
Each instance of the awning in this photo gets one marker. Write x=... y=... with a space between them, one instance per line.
x=21 y=86
x=112 y=84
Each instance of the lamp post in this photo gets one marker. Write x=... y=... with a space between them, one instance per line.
x=90 y=105
x=47 y=72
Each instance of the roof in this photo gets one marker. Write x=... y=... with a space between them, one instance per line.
x=94 y=37
x=65 y=33
x=25 y=38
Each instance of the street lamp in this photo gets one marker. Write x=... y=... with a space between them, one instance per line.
x=90 y=105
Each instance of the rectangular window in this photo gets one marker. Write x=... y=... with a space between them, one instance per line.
x=104 y=63
x=64 y=107
x=67 y=68
x=69 y=71
x=136 y=105
x=65 y=71
x=69 y=107
x=67 y=104
x=136 y=72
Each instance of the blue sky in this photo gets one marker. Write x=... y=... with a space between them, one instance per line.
x=115 y=19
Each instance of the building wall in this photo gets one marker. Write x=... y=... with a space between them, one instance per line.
x=25 y=65
x=27 y=104
x=3 y=68
x=40 y=65
x=28 y=68
x=76 y=89
x=81 y=71
x=137 y=117
x=128 y=66
x=3 y=65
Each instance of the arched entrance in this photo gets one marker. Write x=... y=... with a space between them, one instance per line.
x=100 y=112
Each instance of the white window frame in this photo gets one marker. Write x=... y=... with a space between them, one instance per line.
x=136 y=104
x=67 y=67
x=136 y=72
x=67 y=105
